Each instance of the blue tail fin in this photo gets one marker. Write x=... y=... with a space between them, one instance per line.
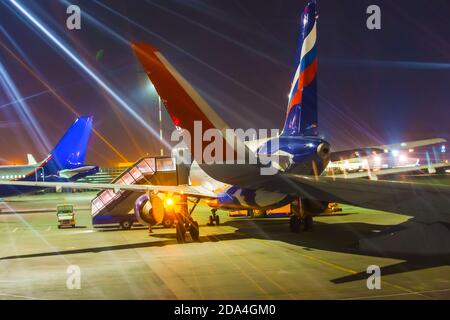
x=301 y=117
x=70 y=151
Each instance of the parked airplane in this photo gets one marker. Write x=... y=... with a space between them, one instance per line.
x=64 y=163
x=301 y=156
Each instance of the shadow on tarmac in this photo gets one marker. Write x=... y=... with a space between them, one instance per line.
x=336 y=237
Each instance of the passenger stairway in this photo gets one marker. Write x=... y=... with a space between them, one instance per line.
x=110 y=207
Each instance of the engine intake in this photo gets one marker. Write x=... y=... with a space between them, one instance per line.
x=149 y=210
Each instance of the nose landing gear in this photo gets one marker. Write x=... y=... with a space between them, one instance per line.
x=214 y=218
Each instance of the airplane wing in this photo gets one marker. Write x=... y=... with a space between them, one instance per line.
x=353 y=153
x=411 y=144
x=362 y=152
x=194 y=191
x=424 y=202
x=374 y=174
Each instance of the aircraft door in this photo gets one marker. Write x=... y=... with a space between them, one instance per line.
x=39 y=174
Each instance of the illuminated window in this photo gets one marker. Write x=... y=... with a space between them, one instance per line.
x=107 y=196
x=144 y=167
x=97 y=205
x=127 y=179
x=137 y=175
x=165 y=164
x=151 y=163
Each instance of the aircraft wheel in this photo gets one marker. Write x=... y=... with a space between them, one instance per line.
x=168 y=222
x=126 y=224
x=217 y=220
x=181 y=233
x=294 y=223
x=308 y=223
x=194 y=231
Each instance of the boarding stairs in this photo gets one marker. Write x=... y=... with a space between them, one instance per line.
x=147 y=170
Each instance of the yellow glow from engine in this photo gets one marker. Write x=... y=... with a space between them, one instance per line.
x=169 y=201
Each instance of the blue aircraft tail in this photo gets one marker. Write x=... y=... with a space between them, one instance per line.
x=70 y=152
x=301 y=116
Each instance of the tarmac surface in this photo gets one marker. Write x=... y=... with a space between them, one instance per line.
x=242 y=258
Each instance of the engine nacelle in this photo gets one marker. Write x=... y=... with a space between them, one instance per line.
x=149 y=210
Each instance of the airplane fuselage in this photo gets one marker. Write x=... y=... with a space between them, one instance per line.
x=296 y=155
x=37 y=172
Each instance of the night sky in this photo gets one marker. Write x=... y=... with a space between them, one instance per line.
x=375 y=87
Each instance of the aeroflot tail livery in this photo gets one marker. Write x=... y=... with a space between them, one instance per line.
x=64 y=163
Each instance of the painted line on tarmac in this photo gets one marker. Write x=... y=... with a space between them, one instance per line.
x=19 y=296
x=40 y=210
x=265 y=275
x=351 y=271
x=338 y=267
x=261 y=272
x=80 y=232
x=242 y=271
x=400 y=294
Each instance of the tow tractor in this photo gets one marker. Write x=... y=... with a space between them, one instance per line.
x=65 y=215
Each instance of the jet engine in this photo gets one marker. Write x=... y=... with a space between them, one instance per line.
x=149 y=210
x=314 y=207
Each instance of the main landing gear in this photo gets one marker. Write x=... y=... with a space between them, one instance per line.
x=214 y=218
x=299 y=217
x=296 y=222
x=185 y=222
x=188 y=226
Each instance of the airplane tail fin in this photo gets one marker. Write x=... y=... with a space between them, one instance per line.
x=301 y=116
x=70 y=152
x=185 y=105
x=31 y=159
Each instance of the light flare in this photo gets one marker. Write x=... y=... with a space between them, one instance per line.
x=65 y=49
